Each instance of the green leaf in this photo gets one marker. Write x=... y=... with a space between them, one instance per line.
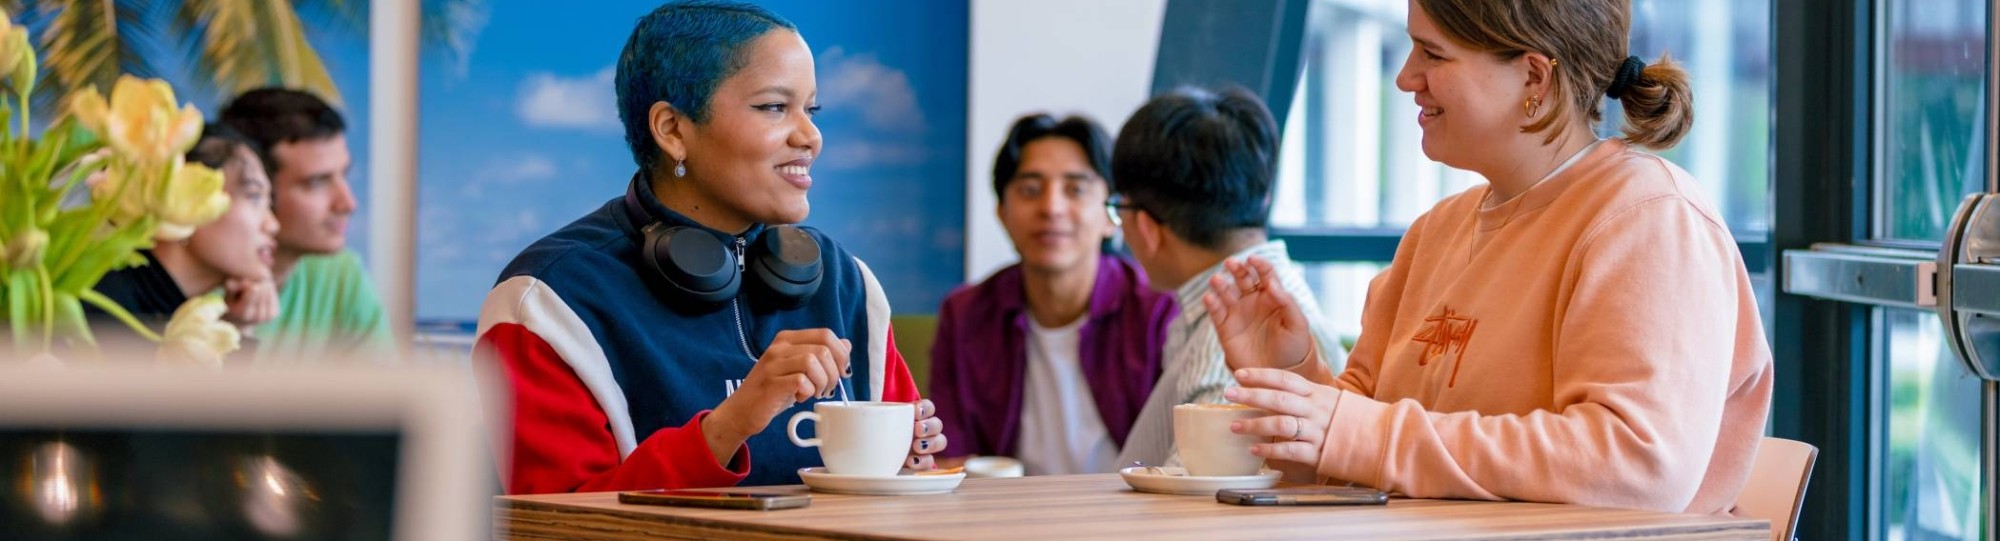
x=19 y=296
x=48 y=306
x=111 y=307
x=71 y=324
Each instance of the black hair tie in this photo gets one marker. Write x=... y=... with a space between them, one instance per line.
x=1628 y=73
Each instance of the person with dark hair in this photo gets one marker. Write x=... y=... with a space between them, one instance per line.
x=652 y=342
x=1580 y=329
x=1050 y=359
x=330 y=307
x=1194 y=171
x=231 y=255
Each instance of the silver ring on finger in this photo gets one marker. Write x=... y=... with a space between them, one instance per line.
x=1298 y=427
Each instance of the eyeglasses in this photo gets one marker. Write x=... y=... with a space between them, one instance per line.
x=1117 y=203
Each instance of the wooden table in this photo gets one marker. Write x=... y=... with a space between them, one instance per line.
x=1093 y=507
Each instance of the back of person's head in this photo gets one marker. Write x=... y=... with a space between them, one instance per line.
x=1587 y=38
x=1199 y=162
x=272 y=116
x=220 y=147
x=678 y=54
x=1083 y=131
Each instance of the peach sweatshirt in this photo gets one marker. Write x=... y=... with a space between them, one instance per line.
x=1593 y=341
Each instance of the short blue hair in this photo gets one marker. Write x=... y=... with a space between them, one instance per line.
x=678 y=54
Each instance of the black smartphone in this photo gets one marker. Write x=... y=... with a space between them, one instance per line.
x=1302 y=496
x=718 y=498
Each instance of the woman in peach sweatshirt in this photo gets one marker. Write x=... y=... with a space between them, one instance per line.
x=1580 y=329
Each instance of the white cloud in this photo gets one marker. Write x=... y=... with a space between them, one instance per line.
x=584 y=103
x=509 y=172
x=527 y=168
x=882 y=94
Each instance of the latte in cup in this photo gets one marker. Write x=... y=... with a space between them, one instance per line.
x=858 y=438
x=1207 y=447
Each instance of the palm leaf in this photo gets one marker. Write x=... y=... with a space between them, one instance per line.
x=246 y=44
x=90 y=43
x=453 y=25
x=233 y=45
x=350 y=15
x=295 y=62
x=221 y=39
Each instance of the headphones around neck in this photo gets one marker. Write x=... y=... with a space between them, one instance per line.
x=698 y=267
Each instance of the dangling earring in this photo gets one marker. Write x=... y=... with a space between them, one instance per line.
x=1534 y=105
x=680 y=168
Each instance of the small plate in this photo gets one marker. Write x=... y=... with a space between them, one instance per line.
x=1177 y=481
x=876 y=485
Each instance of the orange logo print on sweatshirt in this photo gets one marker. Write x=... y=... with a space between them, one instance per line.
x=1443 y=333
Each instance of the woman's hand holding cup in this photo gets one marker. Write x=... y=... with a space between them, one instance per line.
x=927 y=437
x=1300 y=410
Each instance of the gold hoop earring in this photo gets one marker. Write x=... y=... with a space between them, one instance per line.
x=1532 y=106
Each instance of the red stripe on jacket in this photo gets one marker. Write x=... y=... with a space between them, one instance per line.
x=561 y=439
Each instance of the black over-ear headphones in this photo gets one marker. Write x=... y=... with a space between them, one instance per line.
x=699 y=266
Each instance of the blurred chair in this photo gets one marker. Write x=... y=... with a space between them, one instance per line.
x=1778 y=485
x=914 y=335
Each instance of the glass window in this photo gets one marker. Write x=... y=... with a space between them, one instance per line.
x=1352 y=132
x=1725 y=46
x=1353 y=159
x=1932 y=64
x=1341 y=289
x=1930 y=473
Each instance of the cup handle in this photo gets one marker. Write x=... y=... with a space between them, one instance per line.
x=792 y=429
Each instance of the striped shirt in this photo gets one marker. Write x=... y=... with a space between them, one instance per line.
x=1193 y=370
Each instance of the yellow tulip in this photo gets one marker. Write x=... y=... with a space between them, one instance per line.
x=143 y=123
x=197 y=335
x=193 y=197
x=11 y=49
x=27 y=249
x=123 y=188
x=24 y=63
x=90 y=109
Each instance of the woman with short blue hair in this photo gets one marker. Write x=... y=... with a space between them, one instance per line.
x=651 y=342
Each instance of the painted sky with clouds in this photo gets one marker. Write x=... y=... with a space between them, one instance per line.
x=521 y=137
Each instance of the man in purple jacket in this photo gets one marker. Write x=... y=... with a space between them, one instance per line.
x=1051 y=359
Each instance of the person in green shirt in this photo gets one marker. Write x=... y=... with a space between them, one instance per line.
x=327 y=307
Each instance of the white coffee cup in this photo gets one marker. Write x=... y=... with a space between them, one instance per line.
x=1207 y=447
x=858 y=438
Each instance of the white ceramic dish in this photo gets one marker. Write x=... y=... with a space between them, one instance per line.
x=879 y=485
x=1177 y=481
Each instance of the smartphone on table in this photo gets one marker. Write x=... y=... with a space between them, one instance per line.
x=1315 y=495
x=727 y=498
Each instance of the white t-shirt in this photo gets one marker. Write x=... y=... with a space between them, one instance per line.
x=1061 y=431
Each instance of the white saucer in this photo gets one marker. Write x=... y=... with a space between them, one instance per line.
x=1176 y=481
x=875 y=485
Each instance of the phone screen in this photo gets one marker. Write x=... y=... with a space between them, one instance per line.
x=1303 y=496
x=720 y=499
